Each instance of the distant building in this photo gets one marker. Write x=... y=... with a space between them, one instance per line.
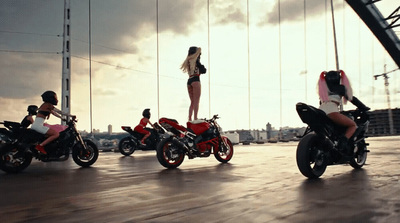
x=379 y=122
x=109 y=129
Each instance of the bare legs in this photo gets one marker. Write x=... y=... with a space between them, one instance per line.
x=51 y=135
x=344 y=121
x=194 y=91
x=145 y=137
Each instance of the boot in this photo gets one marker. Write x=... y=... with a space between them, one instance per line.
x=344 y=147
x=40 y=149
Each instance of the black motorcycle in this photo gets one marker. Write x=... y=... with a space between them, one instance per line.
x=318 y=147
x=17 y=147
x=131 y=143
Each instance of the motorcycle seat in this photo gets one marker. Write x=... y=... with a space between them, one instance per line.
x=310 y=114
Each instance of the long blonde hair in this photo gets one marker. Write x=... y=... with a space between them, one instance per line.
x=189 y=64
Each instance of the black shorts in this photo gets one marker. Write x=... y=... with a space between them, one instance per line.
x=193 y=79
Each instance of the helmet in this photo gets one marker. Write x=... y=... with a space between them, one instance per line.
x=50 y=97
x=32 y=109
x=332 y=78
x=192 y=50
x=146 y=113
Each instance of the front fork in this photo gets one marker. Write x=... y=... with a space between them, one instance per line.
x=80 y=140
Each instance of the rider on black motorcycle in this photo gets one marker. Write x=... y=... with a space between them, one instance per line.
x=47 y=108
x=332 y=86
x=28 y=120
x=142 y=124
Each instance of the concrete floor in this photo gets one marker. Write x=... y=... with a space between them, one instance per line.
x=260 y=184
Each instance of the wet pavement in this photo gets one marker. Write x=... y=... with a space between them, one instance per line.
x=260 y=184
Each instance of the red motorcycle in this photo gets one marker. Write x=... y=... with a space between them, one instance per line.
x=199 y=139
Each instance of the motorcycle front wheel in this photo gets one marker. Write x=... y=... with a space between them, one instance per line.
x=169 y=155
x=85 y=157
x=12 y=160
x=225 y=151
x=311 y=159
x=360 y=156
x=127 y=146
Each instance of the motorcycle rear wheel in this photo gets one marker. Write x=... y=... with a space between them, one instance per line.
x=85 y=158
x=311 y=160
x=224 y=153
x=360 y=157
x=169 y=155
x=12 y=161
x=126 y=146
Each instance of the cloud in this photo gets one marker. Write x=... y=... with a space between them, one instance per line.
x=24 y=83
x=226 y=12
x=31 y=36
x=293 y=10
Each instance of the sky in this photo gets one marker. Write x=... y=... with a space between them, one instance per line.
x=261 y=60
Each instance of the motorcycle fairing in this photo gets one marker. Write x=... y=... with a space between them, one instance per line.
x=198 y=128
x=317 y=120
x=172 y=125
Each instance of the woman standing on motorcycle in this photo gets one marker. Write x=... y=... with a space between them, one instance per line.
x=47 y=108
x=332 y=86
x=194 y=68
x=142 y=124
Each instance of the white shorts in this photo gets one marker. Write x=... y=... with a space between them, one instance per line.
x=38 y=125
x=329 y=107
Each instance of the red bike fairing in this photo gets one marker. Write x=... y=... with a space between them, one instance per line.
x=198 y=128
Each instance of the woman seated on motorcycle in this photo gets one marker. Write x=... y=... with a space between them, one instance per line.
x=142 y=124
x=332 y=86
x=47 y=108
x=28 y=120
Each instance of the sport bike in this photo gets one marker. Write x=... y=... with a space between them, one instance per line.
x=17 y=147
x=198 y=139
x=318 y=147
x=131 y=143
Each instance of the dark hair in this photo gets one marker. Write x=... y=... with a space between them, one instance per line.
x=332 y=77
x=192 y=50
x=32 y=109
x=146 y=113
x=50 y=97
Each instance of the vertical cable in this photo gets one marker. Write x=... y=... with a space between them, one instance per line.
x=305 y=49
x=280 y=66
x=326 y=34
x=334 y=36
x=209 y=73
x=359 y=57
x=158 y=66
x=90 y=67
x=248 y=60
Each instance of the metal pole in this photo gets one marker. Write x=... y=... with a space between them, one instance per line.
x=66 y=62
x=305 y=50
x=334 y=36
x=158 y=69
x=280 y=71
x=209 y=66
x=248 y=61
x=90 y=67
x=335 y=42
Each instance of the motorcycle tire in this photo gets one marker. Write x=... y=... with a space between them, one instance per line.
x=85 y=158
x=169 y=155
x=311 y=159
x=360 y=157
x=12 y=161
x=225 y=151
x=127 y=146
